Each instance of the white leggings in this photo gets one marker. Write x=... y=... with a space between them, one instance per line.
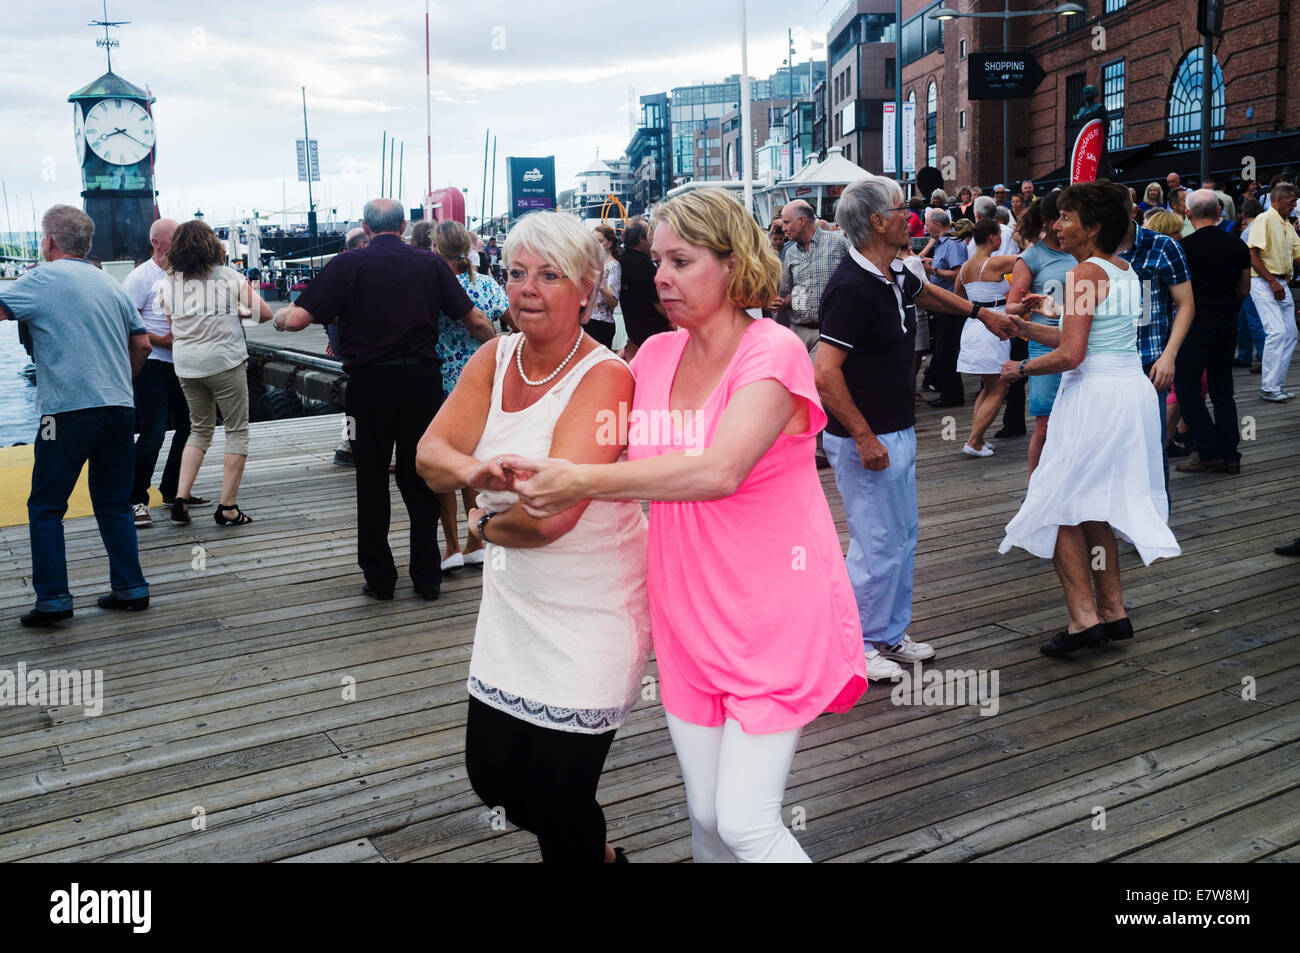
x=734 y=786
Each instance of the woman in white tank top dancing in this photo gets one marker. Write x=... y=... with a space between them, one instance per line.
x=981 y=352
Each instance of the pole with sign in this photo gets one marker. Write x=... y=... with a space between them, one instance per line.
x=312 y=170
x=909 y=137
x=889 y=155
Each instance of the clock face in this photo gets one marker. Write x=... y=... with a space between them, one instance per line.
x=119 y=131
x=78 y=131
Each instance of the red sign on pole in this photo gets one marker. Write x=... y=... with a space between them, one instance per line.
x=1087 y=153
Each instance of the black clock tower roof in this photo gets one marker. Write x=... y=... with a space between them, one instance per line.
x=110 y=85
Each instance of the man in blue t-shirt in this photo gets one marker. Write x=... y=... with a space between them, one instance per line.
x=88 y=342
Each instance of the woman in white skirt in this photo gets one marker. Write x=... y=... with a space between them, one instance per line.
x=981 y=352
x=1100 y=474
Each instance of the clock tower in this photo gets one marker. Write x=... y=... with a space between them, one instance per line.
x=114 y=132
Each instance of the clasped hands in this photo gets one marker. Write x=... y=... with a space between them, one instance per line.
x=544 y=486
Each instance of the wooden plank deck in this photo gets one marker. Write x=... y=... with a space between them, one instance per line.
x=225 y=706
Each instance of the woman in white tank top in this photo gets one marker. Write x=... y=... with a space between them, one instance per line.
x=563 y=632
x=981 y=351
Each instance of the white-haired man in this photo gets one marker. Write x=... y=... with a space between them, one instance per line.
x=866 y=381
x=387 y=298
x=1274 y=248
x=88 y=341
x=808 y=260
x=986 y=207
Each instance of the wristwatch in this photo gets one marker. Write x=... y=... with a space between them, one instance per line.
x=975 y=310
x=1023 y=373
x=482 y=525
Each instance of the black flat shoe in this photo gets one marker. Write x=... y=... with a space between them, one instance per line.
x=1004 y=433
x=180 y=514
x=1066 y=642
x=1118 y=630
x=111 y=601
x=40 y=619
x=191 y=500
x=945 y=402
x=428 y=593
x=376 y=594
x=1290 y=549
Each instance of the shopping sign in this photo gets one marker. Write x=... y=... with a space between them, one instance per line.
x=1086 y=155
x=1002 y=74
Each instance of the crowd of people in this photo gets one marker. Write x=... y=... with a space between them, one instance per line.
x=501 y=401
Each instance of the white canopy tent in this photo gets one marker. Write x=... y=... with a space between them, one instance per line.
x=818 y=182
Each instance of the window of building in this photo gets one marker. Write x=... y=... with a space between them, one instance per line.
x=931 y=126
x=1074 y=84
x=961 y=50
x=878 y=28
x=961 y=119
x=890 y=69
x=1070 y=24
x=1185 y=102
x=922 y=34
x=1113 y=5
x=848 y=81
x=1113 y=98
x=848 y=151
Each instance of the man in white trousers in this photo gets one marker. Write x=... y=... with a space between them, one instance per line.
x=1274 y=248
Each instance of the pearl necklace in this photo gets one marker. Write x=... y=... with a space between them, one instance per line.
x=519 y=363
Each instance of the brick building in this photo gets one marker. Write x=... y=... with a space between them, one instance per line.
x=1144 y=58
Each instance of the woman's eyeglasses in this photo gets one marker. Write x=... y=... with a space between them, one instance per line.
x=547 y=276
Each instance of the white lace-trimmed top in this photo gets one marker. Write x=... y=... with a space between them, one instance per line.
x=563 y=632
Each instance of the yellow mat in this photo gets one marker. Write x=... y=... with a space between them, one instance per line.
x=16 y=486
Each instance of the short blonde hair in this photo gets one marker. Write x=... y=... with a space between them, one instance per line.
x=1165 y=222
x=711 y=218
x=562 y=241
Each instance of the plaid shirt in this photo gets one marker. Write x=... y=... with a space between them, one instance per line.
x=1159 y=262
x=812 y=269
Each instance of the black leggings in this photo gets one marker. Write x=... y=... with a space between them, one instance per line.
x=602 y=331
x=544 y=779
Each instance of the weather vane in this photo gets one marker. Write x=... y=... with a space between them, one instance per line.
x=108 y=42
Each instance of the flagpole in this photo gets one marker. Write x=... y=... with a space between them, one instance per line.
x=746 y=137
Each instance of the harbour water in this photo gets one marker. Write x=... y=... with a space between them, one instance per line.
x=18 y=417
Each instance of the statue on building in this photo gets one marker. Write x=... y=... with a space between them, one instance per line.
x=1090 y=110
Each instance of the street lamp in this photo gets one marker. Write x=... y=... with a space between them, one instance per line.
x=1064 y=10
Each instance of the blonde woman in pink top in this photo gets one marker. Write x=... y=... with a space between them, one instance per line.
x=754 y=621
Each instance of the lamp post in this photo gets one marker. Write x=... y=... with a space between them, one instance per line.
x=947 y=13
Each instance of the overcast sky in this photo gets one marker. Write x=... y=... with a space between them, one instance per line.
x=548 y=77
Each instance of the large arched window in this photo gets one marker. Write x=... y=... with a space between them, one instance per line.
x=1185 y=102
x=931 y=126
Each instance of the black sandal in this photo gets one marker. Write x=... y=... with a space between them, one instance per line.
x=240 y=516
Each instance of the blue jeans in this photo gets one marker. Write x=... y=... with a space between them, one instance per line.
x=880 y=506
x=158 y=396
x=1250 y=331
x=101 y=435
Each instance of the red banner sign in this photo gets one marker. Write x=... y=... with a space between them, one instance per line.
x=1087 y=153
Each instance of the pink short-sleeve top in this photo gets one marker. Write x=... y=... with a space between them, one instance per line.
x=751 y=608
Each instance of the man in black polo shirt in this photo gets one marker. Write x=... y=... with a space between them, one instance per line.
x=643 y=313
x=386 y=298
x=1219 y=265
x=866 y=381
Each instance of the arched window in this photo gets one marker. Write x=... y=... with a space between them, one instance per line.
x=931 y=126
x=1185 y=102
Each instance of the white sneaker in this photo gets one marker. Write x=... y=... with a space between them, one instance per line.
x=454 y=561
x=475 y=558
x=908 y=651
x=881 y=669
x=142 y=517
x=1277 y=397
x=984 y=451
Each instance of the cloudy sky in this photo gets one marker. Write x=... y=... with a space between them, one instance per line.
x=548 y=77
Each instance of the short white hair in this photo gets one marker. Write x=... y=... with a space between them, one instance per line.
x=872 y=195
x=986 y=207
x=562 y=241
x=939 y=215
